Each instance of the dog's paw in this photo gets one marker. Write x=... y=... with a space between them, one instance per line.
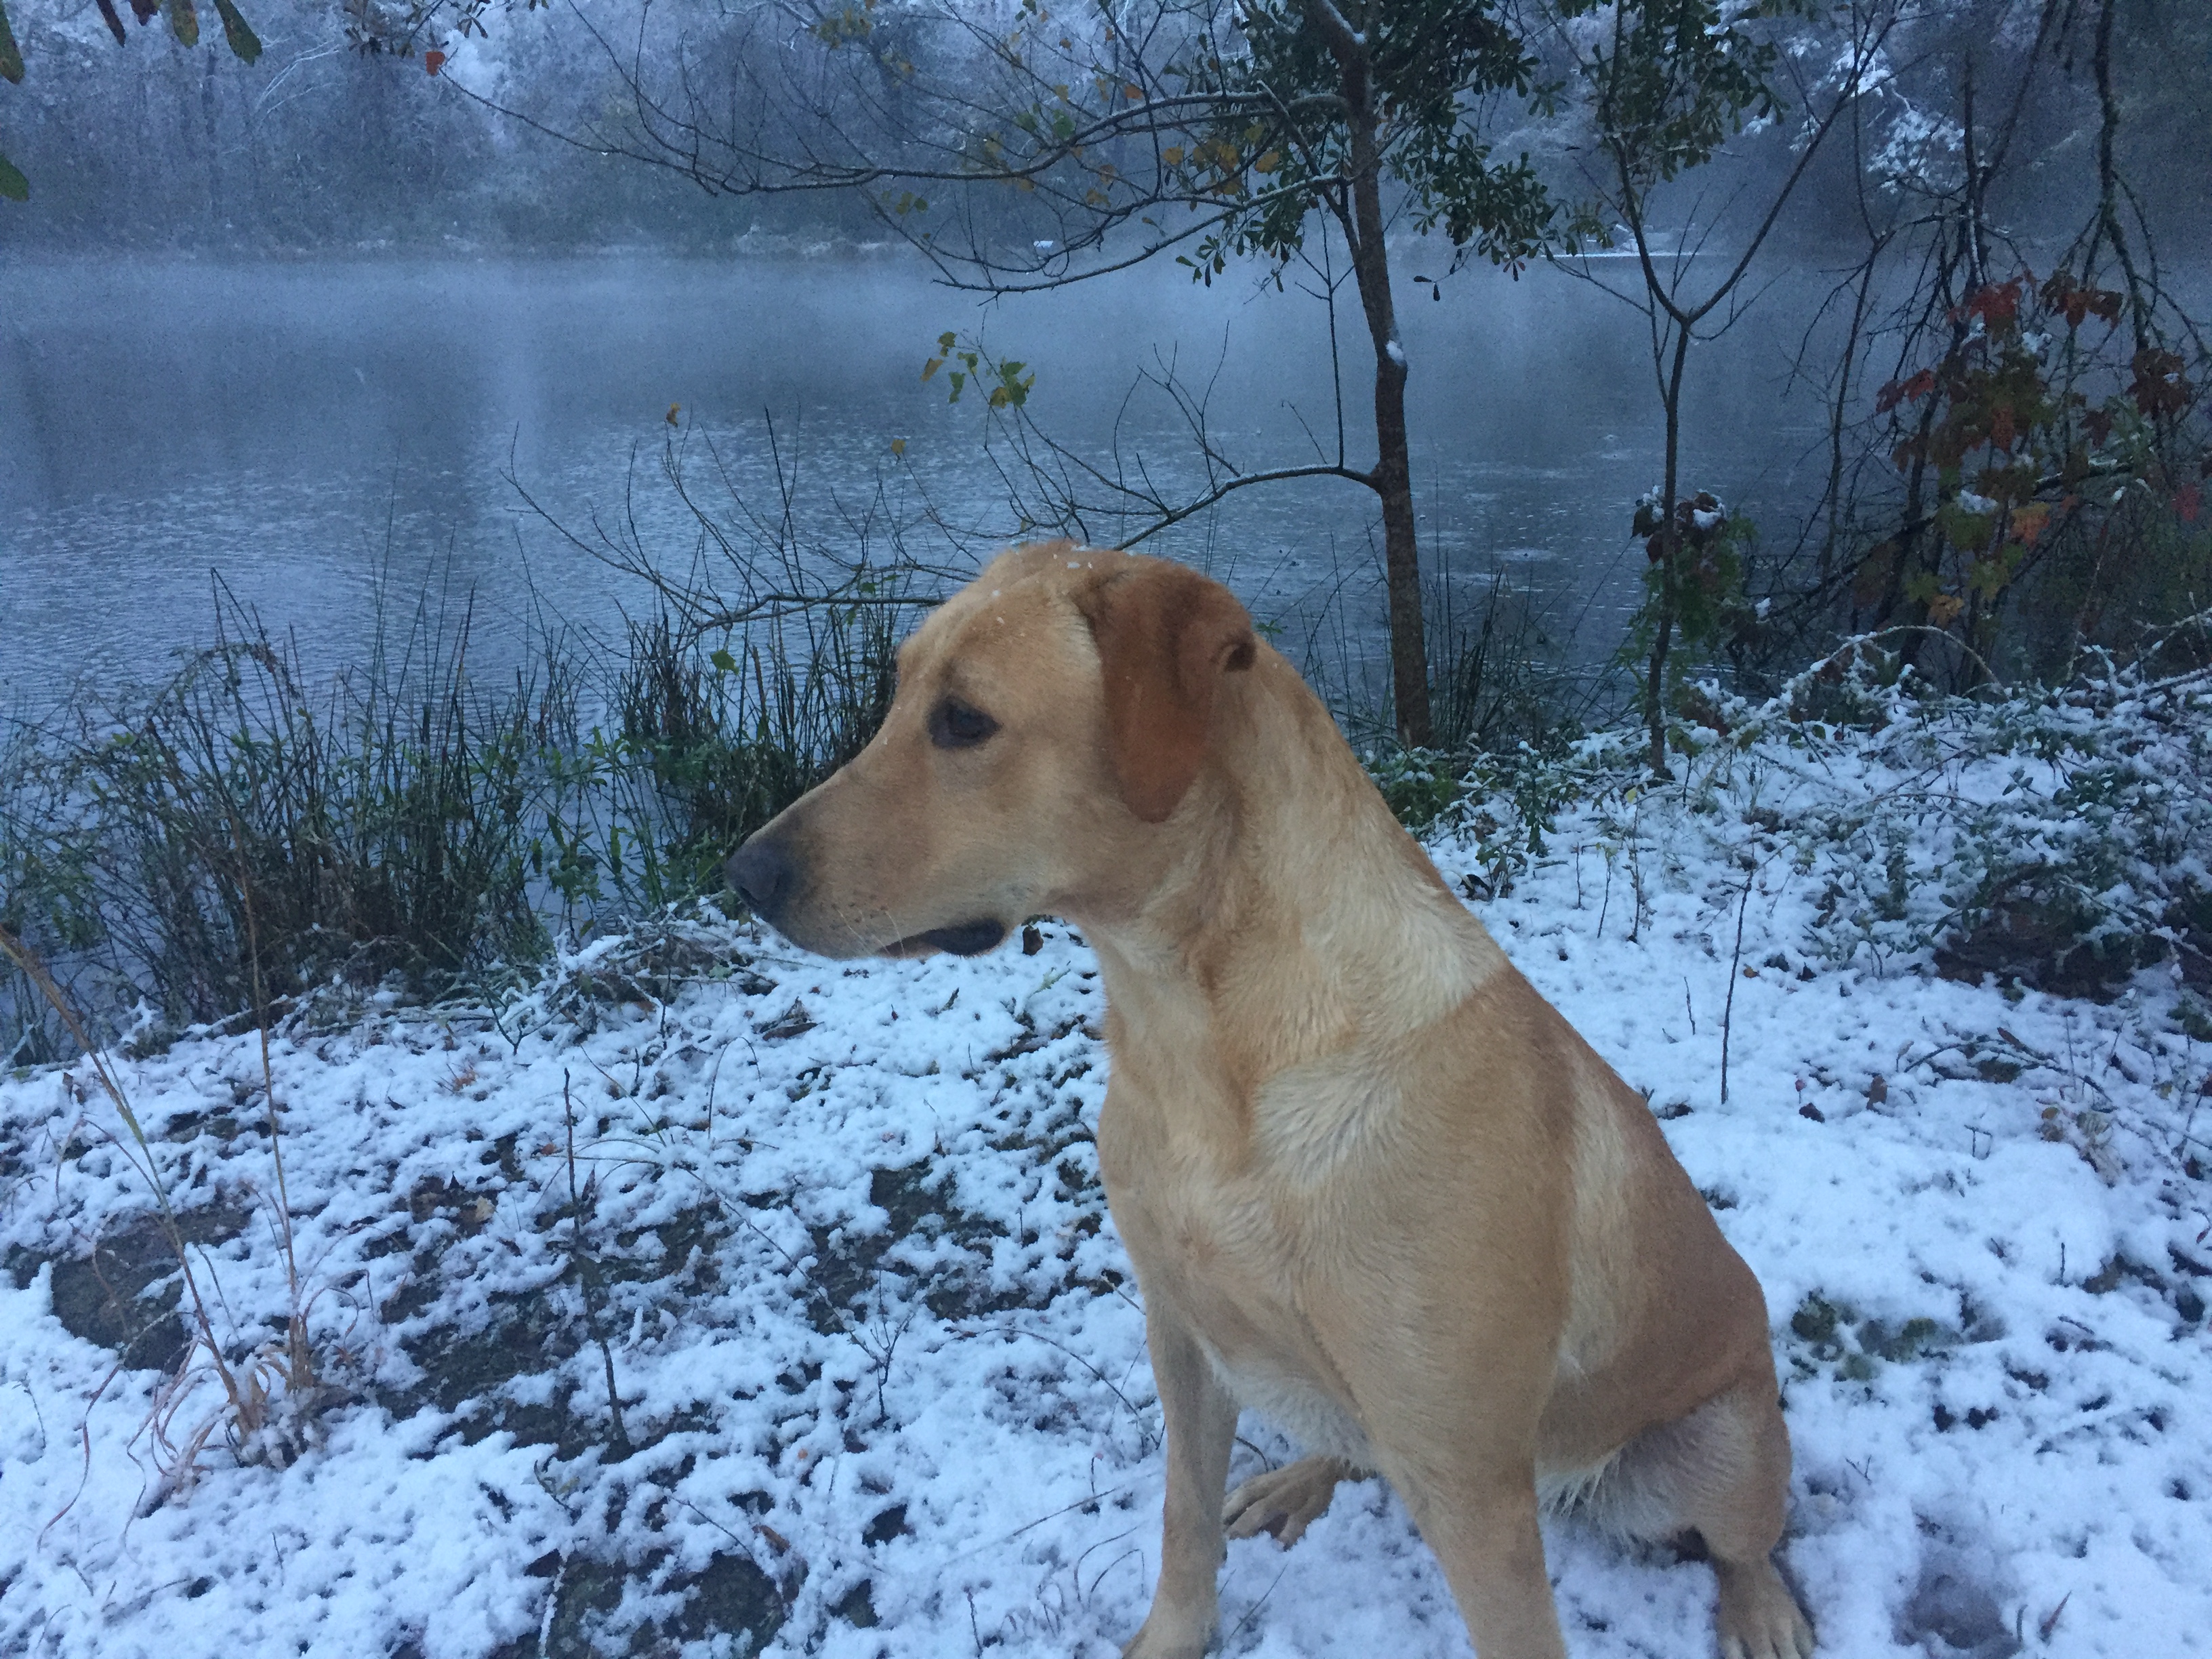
x=1758 y=1617
x=1284 y=1501
x=1142 y=1649
x=1169 y=1639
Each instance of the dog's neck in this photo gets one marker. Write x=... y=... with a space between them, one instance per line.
x=1296 y=919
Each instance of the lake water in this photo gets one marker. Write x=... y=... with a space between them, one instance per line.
x=300 y=432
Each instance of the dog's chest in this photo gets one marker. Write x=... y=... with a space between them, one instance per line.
x=1225 y=1251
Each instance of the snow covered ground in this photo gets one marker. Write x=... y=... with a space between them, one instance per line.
x=835 y=1233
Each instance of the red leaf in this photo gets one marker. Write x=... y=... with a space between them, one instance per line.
x=2159 y=387
x=2187 y=500
x=433 y=61
x=1997 y=302
x=2077 y=301
x=1873 y=577
x=1908 y=390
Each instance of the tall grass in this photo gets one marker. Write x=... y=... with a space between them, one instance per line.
x=384 y=826
x=380 y=824
x=219 y=844
x=729 y=737
x=270 y=1392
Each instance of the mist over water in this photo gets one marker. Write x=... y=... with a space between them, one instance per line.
x=302 y=432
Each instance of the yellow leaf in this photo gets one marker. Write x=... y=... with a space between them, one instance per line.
x=1944 y=609
x=1268 y=162
x=673 y=409
x=1132 y=92
x=898 y=446
x=1172 y=155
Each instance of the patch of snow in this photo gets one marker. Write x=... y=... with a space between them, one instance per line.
x=839 y=1231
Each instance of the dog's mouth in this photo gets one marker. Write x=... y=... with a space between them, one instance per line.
x=962 y=939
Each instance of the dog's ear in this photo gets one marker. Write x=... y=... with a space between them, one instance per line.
x=1166 y=635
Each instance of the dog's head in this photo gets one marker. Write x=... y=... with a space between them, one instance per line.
x=1050 y=718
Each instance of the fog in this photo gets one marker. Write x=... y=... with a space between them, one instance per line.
x=311 y=329
x=302 y=431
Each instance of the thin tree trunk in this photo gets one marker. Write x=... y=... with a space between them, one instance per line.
x=1833 y=504
x=1670 y=533
x=2108 y=189
x=1392 y=478
x=1394 y=471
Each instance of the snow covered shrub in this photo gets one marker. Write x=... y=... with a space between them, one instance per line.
x=1419 y=785
x=2057 y=839
x=1703 y=601
x=2050 y=465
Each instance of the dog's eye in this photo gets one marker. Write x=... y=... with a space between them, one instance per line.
x=954 y=724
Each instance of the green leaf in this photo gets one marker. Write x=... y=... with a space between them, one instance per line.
x=184 y=22
x=245 y=44
x=723 y=662
x=11 y=57
x=13 y=185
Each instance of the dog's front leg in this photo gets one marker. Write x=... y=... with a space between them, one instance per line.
x=1202 y=1427
x=1481 y=1523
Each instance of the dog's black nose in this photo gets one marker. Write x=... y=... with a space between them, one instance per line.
x=765 y=876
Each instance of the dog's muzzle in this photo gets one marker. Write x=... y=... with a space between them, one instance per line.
x=769 y=880
x=765 y=876
x=966 y=938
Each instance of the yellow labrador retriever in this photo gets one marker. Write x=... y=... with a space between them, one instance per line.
x=1374 y=1186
